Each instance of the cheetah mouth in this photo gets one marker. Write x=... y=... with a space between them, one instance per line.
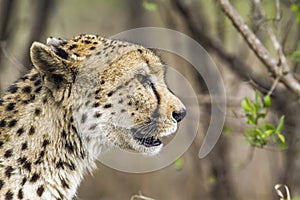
x=148 y=141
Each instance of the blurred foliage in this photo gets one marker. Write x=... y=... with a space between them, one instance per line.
x=260 y=130
x=149 y=5
x=212 y=180
x=179 y=164
x=295 y=7
x=296 y=54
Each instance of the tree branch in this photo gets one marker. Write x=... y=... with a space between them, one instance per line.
x=280 y=68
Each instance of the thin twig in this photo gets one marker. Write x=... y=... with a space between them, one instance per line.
x=277 y=69
x=274 y=85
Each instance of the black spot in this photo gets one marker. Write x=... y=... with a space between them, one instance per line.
x=23 y=78
x=22 y=160
x=98 y=91
x=13 y=89
x=2 y=123
x=102 y=82
x=110 y=93
x=87 y=103
x=27 y=166
x=120 y=101
x=61 y=53
x=69 y=147
x=83 y=118
x=60 y=164
x=34 y=178
x=27 y=89
x=95 y=42
x=8 y=171
x=63 y=134
x=73 y=46
x=1 y=102
x=140 y=50
x=113 y=113
x=96 y=105
x=74 y=129
x=97 y=115
x=132 y=114
x=45 y=100
x=87 y=41
x=10 y=106
x=24 y=146
x=34 y=77
x=107 y=105
x=9 y=195
x=12 y=123
x=98 y=53
x=31 y=130
x=37 y=112
x=8 y=153
x=64 y=184
x=93 y=127
x=25 y=102
x=32 y=97
x=42 y=154
x=92 y=48
x=20 y=194
x=38 y=82
x=72 y=166
x=1 y=144
x=38 y=90
x=1 y=184
x=20 y=131
x=130 y=103
x=40 y=191
x=45 y=143
x=24 y=181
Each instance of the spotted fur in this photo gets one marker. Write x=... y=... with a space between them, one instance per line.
x=82 y=97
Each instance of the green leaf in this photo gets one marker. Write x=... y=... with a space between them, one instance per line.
x=179 y=164
x=247 y=105
x=267 y=101
x=280 y=125
x=281 y=138
x=269 y=132
x=250 y=119
x=261 y=115
x=294 y=7
x=258 y=132
x=150 y=6
x=257 y=103
x=269 y=126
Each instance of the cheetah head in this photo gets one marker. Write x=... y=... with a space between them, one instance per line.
x=116 y=89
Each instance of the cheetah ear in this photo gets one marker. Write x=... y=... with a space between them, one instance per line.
x=51 y=62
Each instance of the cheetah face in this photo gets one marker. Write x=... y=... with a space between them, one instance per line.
x=116 y=89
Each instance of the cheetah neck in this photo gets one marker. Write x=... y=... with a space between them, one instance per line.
x=43 y=153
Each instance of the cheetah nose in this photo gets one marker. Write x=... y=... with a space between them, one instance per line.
x=179 y=115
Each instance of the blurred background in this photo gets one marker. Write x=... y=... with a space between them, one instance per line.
x=234 y=169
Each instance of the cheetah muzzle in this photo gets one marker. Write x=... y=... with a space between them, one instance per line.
x=83 y=96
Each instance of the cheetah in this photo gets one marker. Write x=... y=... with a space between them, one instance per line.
x=82 y=97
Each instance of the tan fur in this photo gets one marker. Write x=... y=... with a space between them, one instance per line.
x=83 y=97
